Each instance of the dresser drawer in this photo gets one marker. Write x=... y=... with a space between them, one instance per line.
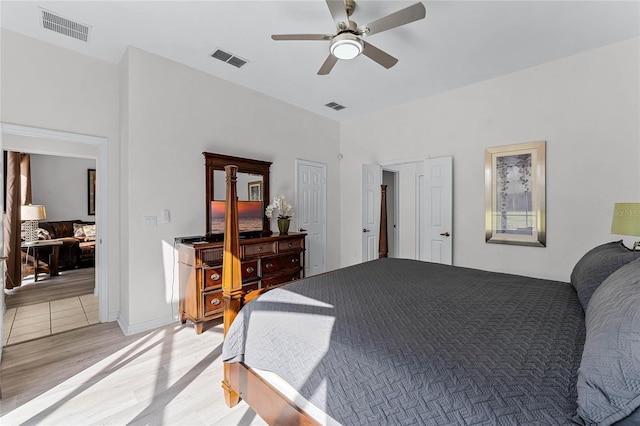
x=247 y=288
x=211 y=256
x=259 y=249
x=212 y=278
x=249 y=271
x=213 y=303
x=281 y=279
x=290 y=245
x=280 y=263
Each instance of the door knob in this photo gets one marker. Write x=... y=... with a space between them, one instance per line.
x=365 y=230
x=303 y=230
x=446 y=234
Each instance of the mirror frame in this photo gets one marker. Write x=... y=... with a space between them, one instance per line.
x=214 y=162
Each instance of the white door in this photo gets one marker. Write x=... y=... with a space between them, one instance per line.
x=371 y=180
x=311 y=213
x=436 y=221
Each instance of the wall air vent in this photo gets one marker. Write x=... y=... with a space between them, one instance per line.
x=62 y=25
x=335 y=105
x=228 y=58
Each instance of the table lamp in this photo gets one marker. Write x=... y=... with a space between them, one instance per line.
x=31 y=214
x=626 y=221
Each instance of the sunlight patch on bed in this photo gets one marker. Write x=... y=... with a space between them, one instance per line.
x=304 y=300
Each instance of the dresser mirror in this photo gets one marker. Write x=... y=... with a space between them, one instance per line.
x=252 y=183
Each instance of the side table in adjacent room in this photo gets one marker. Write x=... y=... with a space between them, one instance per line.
x=53 y=257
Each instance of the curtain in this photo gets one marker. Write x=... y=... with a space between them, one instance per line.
x=25 y=179
x=13 y=271
x=18 y=189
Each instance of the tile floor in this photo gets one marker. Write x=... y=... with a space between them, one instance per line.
x=43 y=319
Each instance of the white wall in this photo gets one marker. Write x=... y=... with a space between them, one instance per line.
x=60 y=184
x=587 y=109
x=174 y=114
x=159 y=117
x=48 y=87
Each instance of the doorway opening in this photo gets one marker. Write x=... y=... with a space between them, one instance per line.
x=390 y=178
x=419 y=208
x=57 y=144
x=57 y=285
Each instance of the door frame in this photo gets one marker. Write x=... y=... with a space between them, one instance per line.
x=396 y=209
x=323 y=166
x=389 y=166
x=102 y=182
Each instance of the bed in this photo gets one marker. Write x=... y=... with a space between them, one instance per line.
x=398 y=341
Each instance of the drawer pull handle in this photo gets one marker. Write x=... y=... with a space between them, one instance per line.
x=294 y=260
x=290 y=244
x=215 y=302
x=215 y=276
x=250 y=270
x=269 y=265
x=259 y=248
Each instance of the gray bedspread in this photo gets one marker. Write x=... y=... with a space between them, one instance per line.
x=397 y=341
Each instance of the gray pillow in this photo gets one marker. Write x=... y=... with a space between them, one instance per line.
x=596 y=265
x=609 y=375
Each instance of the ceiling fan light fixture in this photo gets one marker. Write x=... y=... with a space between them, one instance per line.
x=346 y=46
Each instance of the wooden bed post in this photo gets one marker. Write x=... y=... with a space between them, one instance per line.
x=382 y=241
x=231 y=272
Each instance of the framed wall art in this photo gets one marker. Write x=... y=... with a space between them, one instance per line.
x=515 y=211
x=91 y=191
x=255 y=191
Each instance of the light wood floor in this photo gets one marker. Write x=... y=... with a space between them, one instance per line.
x=96 y=375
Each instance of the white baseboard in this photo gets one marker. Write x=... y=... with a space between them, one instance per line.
x=128 y=330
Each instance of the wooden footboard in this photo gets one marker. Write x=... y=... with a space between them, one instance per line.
x=239 y=380
x=272 y=406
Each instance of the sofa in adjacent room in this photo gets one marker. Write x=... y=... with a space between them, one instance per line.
x=78 y=242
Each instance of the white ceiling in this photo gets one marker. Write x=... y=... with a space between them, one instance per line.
x=459 y=43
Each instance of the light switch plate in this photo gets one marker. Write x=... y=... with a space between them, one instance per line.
x=150 y=221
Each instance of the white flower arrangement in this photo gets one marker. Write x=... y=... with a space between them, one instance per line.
x=280 y=205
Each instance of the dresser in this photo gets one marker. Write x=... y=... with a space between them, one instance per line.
x=267 y=262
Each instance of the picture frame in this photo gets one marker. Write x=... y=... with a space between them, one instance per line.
x=255 y=190
x=91 y=192
x=515 y=194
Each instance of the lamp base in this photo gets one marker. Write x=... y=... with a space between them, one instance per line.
x=30 y=231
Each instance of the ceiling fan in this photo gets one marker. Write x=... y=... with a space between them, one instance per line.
x=348 y=43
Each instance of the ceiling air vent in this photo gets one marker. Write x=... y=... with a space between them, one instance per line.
x=62 y=25
x=334 y=105
x=228 y=58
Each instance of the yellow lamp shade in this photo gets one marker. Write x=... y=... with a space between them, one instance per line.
x=626 y=219
x=33 y=212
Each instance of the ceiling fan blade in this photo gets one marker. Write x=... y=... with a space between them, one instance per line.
x=338 y=11
x=301 y=37
x=381 y=57
x=397 y=19
x=328 y=65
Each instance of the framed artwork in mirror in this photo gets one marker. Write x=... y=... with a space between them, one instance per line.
x=91 y=192
x=255 y=191
x=515 y=196
x=249 y=169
